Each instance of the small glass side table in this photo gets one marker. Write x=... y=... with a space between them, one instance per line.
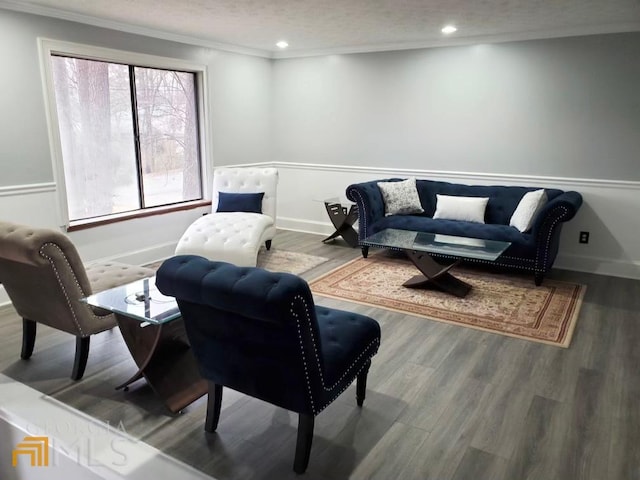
x=153 y=330
x=343 y=214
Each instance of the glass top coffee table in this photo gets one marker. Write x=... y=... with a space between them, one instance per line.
x=152 y=328
x=419 y=245
x=140 y=300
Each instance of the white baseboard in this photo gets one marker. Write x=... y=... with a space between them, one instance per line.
x=599 y=266
x=305 y=226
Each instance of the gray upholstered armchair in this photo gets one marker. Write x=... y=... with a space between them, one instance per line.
x=45 y=279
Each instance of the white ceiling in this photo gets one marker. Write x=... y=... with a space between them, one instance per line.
x=326 y=26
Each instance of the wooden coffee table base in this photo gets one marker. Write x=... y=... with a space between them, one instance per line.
x=435 y=275
x=164 y=358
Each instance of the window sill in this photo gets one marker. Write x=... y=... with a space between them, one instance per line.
x=147 y=212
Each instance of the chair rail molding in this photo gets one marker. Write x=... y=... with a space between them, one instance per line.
x=516 y=179
x=457 y=175
x=27 y=189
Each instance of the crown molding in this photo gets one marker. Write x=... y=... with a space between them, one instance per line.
x=451 y=41
x=129 y=28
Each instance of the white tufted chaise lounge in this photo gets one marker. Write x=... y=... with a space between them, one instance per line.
x=234 y=237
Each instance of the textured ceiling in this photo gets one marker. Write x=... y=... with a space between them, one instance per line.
x=350 y=25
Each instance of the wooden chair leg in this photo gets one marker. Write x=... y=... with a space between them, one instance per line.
x=538 y=278
x=365 y=251
x=361 y=384
x=303 y=445
x=214 y=403
x=28 y=338
x=267 y=244
x=82 y=353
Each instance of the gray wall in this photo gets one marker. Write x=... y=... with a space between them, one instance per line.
x=563 y=107
x=566 y=107
x=239 y=94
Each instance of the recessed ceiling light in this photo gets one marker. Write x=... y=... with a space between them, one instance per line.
x=448 y=29
x=282 y=44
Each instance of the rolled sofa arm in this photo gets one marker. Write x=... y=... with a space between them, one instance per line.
x=370 y=204
x=547 y=227
x=561 y=209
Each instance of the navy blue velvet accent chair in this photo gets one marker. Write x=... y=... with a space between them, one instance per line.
x=259 y=333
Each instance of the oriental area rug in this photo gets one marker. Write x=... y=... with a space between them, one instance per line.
x=280 y=261
x=501 y=303
x=289 y=262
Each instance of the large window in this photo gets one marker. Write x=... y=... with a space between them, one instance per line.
x=129 y=136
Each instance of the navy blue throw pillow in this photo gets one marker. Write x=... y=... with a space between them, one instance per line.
x=240 y=202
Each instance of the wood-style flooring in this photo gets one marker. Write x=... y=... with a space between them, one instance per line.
x=443 y=401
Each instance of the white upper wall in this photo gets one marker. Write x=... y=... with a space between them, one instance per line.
x=567 y=107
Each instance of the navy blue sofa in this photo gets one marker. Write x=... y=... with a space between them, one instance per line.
x=534 y=251
x=260 y=333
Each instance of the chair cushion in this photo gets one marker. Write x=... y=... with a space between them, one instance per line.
x=226 y=237
x=240 y=202
x=106 y=275
x=344 y=336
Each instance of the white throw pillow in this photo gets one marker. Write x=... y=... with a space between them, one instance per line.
x=527 y=209
x=469 y=209
x=400 y=198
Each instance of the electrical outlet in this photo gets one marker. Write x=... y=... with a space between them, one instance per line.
x=584 y=237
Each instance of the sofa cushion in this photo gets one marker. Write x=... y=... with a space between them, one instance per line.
x=503 y=200
x=343 y=335
x=468 y=209
x=527 y=209
x=400 y=198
